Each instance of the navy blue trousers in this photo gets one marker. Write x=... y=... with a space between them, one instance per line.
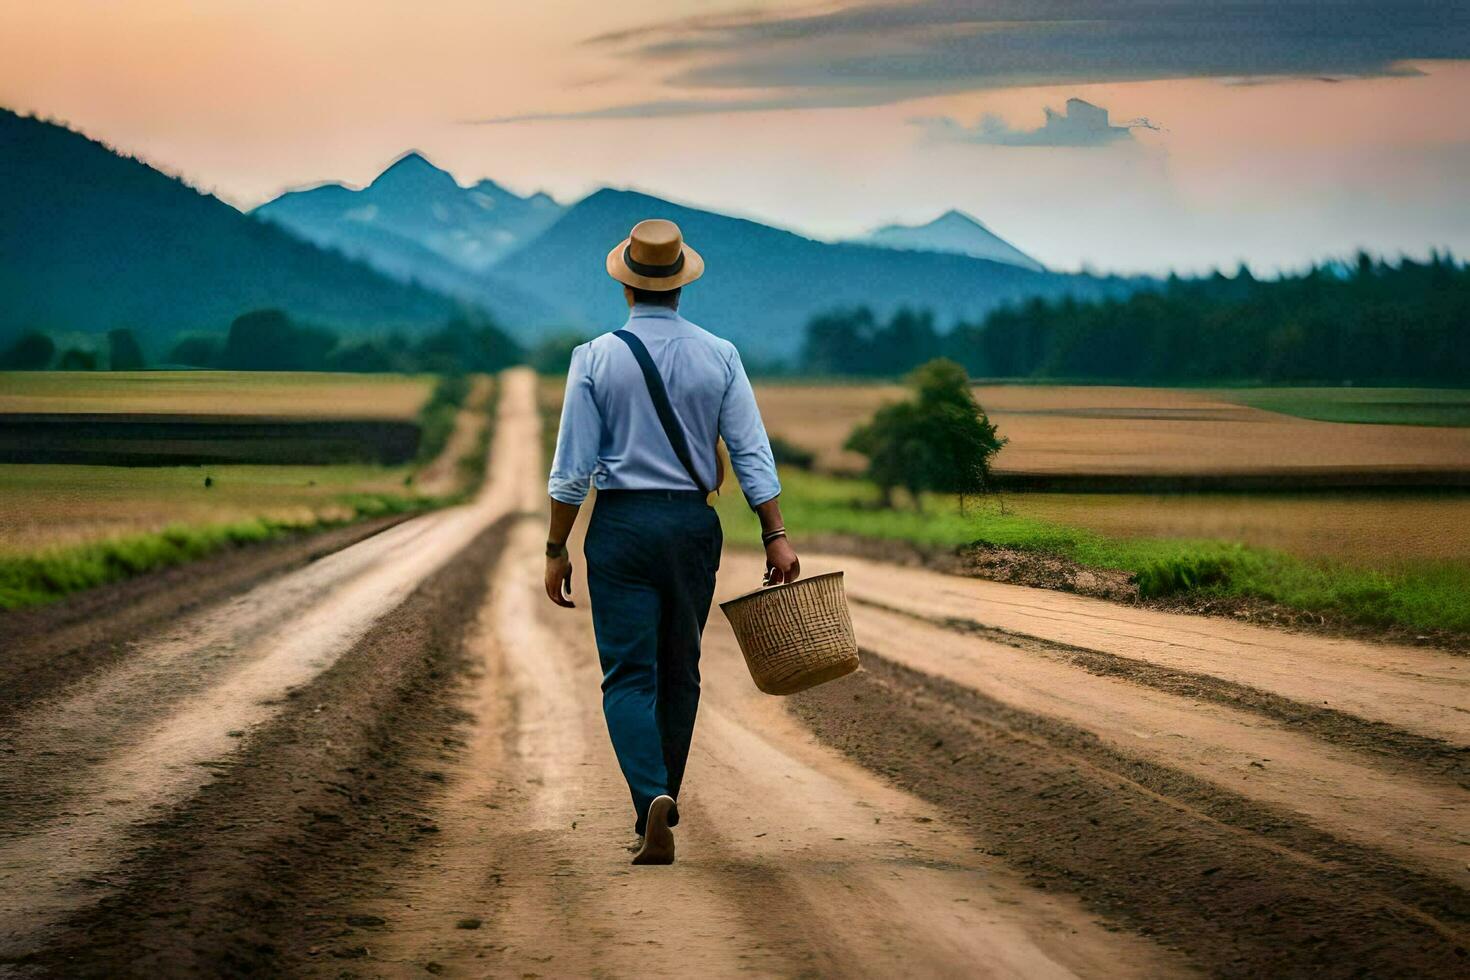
x=651 y=562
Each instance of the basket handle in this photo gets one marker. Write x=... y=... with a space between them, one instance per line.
x=766 y=582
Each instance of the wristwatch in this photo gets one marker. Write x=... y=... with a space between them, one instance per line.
x=554 y=550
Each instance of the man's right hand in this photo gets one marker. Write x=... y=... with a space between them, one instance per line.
x=559 y=575
x=782 y=565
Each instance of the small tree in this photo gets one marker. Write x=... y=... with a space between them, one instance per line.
x=197 y=351
x=940 y=441
x=553 y=355
x=365 y=357
x=268 y=340
x=124 y=353
x=31 y=352
x=76 y=359
x=468 y=345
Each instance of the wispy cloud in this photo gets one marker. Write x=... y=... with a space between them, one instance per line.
x=891 y=51
x=660 y=108
x=1078 y=124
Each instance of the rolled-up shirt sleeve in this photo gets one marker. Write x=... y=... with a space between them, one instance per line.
x=580 y=435
x=745 y=438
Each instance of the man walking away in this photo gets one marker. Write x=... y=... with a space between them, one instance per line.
x=643 y=410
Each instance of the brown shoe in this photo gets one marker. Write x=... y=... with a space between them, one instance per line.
x=658 y=839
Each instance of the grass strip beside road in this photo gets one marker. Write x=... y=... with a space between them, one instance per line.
x=44 y=576
x=437 y=415
x=1421 y=595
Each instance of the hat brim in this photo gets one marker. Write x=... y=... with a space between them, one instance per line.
x=618 y=269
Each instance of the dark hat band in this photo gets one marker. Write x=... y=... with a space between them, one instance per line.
x=652 y=271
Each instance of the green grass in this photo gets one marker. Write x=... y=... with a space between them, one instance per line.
x=1420 y=595
x=41 y=577
x=1383 y=406
x=437 y=415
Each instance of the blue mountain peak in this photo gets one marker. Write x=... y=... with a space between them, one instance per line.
x=414 y=170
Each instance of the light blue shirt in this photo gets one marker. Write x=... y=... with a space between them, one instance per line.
x=610 y=435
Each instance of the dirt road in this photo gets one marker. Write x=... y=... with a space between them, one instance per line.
x=392 y=762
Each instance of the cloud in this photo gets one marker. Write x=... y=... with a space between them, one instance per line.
x=867 y=53
x=1079 y=124
x=662 y=108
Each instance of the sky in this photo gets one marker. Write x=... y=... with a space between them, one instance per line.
x=1275 y=132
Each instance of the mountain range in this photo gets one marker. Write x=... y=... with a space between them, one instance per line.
x=415 y=222
x=91 y=240
x=763 y=284
x=957 y=232
x=471 y=227
x=536 y=264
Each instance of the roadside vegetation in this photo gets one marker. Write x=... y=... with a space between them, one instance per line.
x=436 y=417
x=1417 y=595
x=49 y=574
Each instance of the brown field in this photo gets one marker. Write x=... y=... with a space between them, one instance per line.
x=1374 y=530
x=47 y=505
x=268 y=394
x=1064 y=430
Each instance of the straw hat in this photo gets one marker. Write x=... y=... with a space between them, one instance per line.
x=654 y=257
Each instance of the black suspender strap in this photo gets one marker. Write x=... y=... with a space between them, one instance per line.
x=661 y=404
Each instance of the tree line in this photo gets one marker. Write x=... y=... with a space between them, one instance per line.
x=1372 y=322
x=271 y=340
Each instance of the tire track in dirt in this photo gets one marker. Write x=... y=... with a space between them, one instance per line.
x=43 y=650
x=1367 y=799
x=1133 y=844
x=1414 y=689
x=79 y=772
x=249 y=875
x=1431 y=756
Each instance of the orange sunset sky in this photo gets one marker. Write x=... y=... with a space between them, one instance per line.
x=1295 y=134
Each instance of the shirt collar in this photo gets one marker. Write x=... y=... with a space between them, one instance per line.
x=653 y=310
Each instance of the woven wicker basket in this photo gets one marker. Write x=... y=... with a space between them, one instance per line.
x=795 y=636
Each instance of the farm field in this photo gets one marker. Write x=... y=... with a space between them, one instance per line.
x=1087 y=431
x=298 y=395
x=65 y=526
x=165 y=418
x=43 y=505
x=1379 y=530
x=49 y=506
x=1382 y=406
x=392 y=758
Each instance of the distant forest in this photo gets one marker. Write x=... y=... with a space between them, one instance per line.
x=1373 y=322
x=270 y=340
